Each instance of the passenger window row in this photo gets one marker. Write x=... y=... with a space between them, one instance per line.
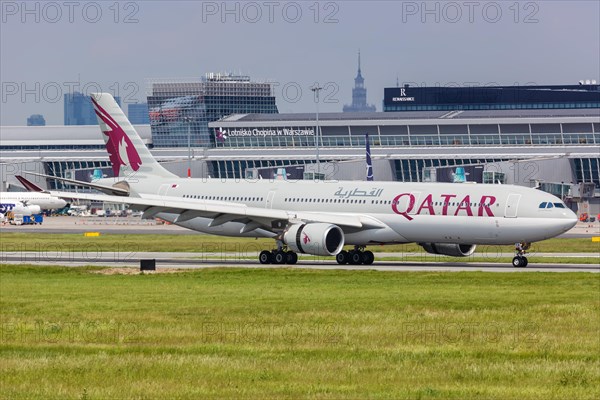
x=222 y=198
x=310 y=200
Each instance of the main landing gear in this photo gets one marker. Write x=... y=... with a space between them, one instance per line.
x=283 y=256
x=520 y=261
x=279 y=256
x=355 y=257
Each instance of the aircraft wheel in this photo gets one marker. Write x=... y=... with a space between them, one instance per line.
x=355 y=257
x=265 y=257
x=342 y=257
x=291 y=257
x=526 y=262
x=368 y=257
x=279 y=257
x=518 y=262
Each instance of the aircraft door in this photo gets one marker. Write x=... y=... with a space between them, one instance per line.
x=162 y=190
x=270 y=198
x=512 y=204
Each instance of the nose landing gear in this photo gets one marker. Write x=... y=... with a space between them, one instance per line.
x=520 y=261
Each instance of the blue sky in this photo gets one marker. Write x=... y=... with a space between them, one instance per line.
x=51 y=47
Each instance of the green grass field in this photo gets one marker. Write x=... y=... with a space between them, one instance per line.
x=12 y=241
x=75 y=333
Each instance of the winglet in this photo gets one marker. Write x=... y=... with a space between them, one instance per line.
x=30 y=186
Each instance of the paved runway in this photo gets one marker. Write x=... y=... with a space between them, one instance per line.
x=134 y=226
x=199 y=260
x=212 y=260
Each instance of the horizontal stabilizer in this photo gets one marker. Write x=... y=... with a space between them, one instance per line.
x=111 y=190
x=30 y=186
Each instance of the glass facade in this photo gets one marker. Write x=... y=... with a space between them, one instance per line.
x=181 y=111
x=138 y=114
x=55 y=147
x=236 y=169
x=520 y=134
x=413 y=135
x=414 y=98
x=587 y=170
x=411 y=170
x=560 y=190
x=514 y=106
x=60 y=168
x=490 y=177
x=78 y=109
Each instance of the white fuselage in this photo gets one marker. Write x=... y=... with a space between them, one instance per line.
x=9 y=200
x=411 y=212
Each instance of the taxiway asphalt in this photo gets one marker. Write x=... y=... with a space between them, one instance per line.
x=200 y=260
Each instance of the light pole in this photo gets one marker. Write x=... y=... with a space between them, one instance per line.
x=316 y=89
x=189 y=137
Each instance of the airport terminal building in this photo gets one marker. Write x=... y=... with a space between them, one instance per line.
x=408 y=142
x=557 y=149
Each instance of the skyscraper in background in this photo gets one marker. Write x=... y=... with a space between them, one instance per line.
x=359 y=94
x=138 y=113
x=78 y=109
x=36 y=120
x=181 y=108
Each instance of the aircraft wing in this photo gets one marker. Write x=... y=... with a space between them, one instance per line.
x=274 y=220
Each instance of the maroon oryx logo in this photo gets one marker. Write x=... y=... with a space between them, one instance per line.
x=121 y=150
x=305 y=238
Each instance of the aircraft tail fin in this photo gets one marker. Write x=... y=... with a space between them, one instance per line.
x=127 y=153
x=30 y=186
x=369 y=161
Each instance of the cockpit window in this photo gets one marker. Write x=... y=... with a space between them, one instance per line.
x=559 y=205
x=543 y=205
x=549 y=205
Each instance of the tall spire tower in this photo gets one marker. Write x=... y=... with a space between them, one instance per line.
x=359 y=94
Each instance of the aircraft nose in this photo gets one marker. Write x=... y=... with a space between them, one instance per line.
x=570 y=219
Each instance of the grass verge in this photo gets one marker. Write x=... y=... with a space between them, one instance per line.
x=286 y=333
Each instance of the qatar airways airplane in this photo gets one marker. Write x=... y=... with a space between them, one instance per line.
x=321 y=217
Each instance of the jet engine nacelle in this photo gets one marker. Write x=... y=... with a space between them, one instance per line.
x=449 y=249
x=318 y=239
x=22 y=209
